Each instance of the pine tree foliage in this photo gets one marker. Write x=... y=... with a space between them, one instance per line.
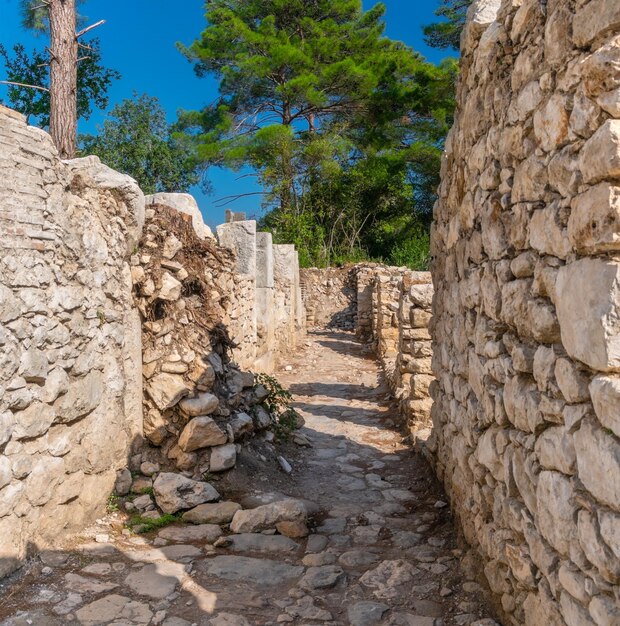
x=343 y=126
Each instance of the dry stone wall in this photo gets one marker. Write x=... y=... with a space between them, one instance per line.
x=525 y=330
x=70 y=357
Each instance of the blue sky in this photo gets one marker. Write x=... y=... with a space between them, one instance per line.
x=139 y=40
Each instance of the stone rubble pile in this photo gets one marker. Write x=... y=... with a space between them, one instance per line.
x=198 y=404
x=525 y=332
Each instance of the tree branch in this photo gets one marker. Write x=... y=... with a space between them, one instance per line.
x=89 y=28
x=10 y=82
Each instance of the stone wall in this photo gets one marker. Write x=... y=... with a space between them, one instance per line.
x=527 y=401
x=87 y=297
x=70 y=362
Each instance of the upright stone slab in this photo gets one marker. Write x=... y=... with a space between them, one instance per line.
x=285 y=296
x=265 y=303
x=184 y=203
x=240 y=237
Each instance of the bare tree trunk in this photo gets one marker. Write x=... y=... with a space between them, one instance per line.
x=63 y=76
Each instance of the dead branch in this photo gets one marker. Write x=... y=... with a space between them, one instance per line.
x=89 y=28
x=10 y=82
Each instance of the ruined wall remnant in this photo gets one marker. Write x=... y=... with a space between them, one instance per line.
x=70 y=362
x=389 y=308
x=526 y=433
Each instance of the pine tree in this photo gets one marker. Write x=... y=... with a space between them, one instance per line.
x=447 y=33
x=58 y=18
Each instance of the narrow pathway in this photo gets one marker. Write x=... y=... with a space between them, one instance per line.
x=382 y=551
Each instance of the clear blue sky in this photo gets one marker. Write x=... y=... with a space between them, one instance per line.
x=139 y=40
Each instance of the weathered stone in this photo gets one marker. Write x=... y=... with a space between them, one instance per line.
x=170 y=288
x=201 y=432
x=605 y=392
x=112 y=608
x=166 y=390
x=600 y=157
x=587 y=297
x=556 y=510
x=33 y=421
x=223 y=458
x=255 y=542
x=388 y=576
x=202 y=404
x=257 y=571
x=217 y=513
x=594 y=223
x=366 y=613
x=268 y=515
x=598 y=462
x=174 y=492
x=324 y=577
x=185 y=534
x=573 y=383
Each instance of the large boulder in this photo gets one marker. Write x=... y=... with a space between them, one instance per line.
x=174 y=492
x=267 y=516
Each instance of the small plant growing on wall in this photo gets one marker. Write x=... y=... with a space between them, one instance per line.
x=278 y=403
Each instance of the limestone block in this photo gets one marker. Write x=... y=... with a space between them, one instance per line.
x=551 y=123
x=598 y=462
x=595 y=549
x=83 y=397
x=604 y=610
x=600 y=156
x=174 y=492
x=126 y=187
x=202 y=404
x=594 y=20
x=170 y=288
x=166 y=390
x=241 y=238
x=556 y=451
x=223 y=457
x=605 y=393
x=33 y=421
x=480 y=15
x=184 y=203
x=587 y=299
x=264 y=260
x=573 y=383
x=201 y=432
x=556 y=510
x=594 y=223
x=601 y=69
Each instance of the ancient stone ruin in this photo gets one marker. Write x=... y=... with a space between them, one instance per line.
x=133 y=340
x=123 y=322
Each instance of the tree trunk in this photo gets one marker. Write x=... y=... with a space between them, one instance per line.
x=63 y=77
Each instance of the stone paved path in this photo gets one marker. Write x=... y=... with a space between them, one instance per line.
x=381 y=552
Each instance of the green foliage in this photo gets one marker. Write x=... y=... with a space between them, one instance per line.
x=136 y=139
x=93 y=82
x=343 y=126
x=112 y=504
x=147 y=524
x=278 y=403
x=447 y=33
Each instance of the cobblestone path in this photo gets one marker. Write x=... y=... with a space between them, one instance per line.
x=381 y=549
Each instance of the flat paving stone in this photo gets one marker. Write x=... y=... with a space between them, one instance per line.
x=258 y=571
